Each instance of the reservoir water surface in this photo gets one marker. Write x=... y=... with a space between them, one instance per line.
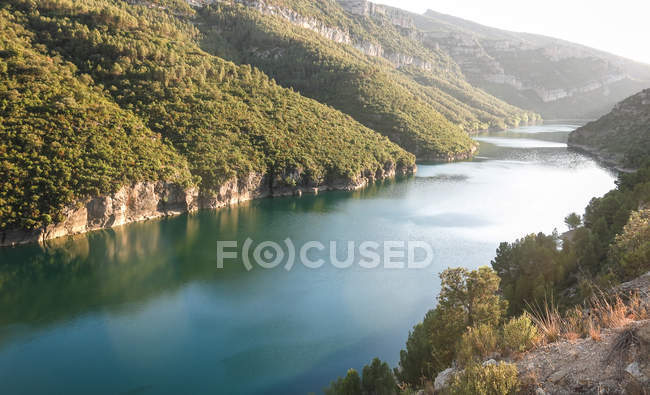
x=144 y=309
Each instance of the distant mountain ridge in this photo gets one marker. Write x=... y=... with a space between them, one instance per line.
x=553 y=77
x=556 y=78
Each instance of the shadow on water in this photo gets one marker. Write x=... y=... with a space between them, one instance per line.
x=116 y=268
x=146 y=302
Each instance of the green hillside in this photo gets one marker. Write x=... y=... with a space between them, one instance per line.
x=425 y=109
x=95 y=94
x=621 y=137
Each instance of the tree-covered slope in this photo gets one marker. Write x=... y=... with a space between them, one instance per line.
x=621 y=137
x=360 y=65
x=95 y=94
x=62 y=138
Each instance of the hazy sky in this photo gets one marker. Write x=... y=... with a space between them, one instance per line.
x=621 y=26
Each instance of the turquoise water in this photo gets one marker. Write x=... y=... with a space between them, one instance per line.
x=144 y=309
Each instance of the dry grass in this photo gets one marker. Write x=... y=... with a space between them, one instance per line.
x=594 y=331
x=638 y=310
x=548 y=321
x=571 y=336
x=611 y=314
x=603 y=312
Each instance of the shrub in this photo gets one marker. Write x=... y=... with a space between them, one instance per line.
x=350 y=385
x=631 y=249
x=476 y=344
x=498 y=379
x=519 y=334
x=467 y=299
x=378 y=378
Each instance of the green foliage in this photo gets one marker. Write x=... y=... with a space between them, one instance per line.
x=500 y=379
x=471 y=297
x=477 y=344
x=535 y=268
x=620 y=136
x=415 y=363
x=631 y=248
x=350 y=385
x=530 y=270
x=519 y=334
x=573 y=220
x=62 y=139
x=96 y=94
x=467 y=298
x=378 y=379
x=412 y=108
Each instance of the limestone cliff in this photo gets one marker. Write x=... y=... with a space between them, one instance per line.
x=343 y=36
x=559 y=79
x=148 y=200
x=553 y=77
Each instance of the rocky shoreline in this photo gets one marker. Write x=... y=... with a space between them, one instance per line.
x=142 y=201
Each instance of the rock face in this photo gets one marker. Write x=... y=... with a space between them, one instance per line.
x=360 y=8
x=443 y=379
x=369 y=9
x=556 y=78
x=589 y=366
x=331 y=33
x=620 y=138
x=617 y=363
x=147 y=200
x=140 y=201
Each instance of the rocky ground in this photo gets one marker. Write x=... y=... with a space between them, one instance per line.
x=613 y=361
x=617 y=363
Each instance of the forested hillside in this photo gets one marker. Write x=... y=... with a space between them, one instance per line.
x=95 y=94
x=622 y=137
x=361 y=65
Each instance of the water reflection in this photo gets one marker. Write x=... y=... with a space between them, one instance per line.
x=143 y=307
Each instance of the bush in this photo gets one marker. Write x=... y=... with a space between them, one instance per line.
x=498 y=379
x=519 y=334
x=350 y=385
x=415 y=365
x=476 y=344
x=378 y=379
x=631 y=249
x=466 y=299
